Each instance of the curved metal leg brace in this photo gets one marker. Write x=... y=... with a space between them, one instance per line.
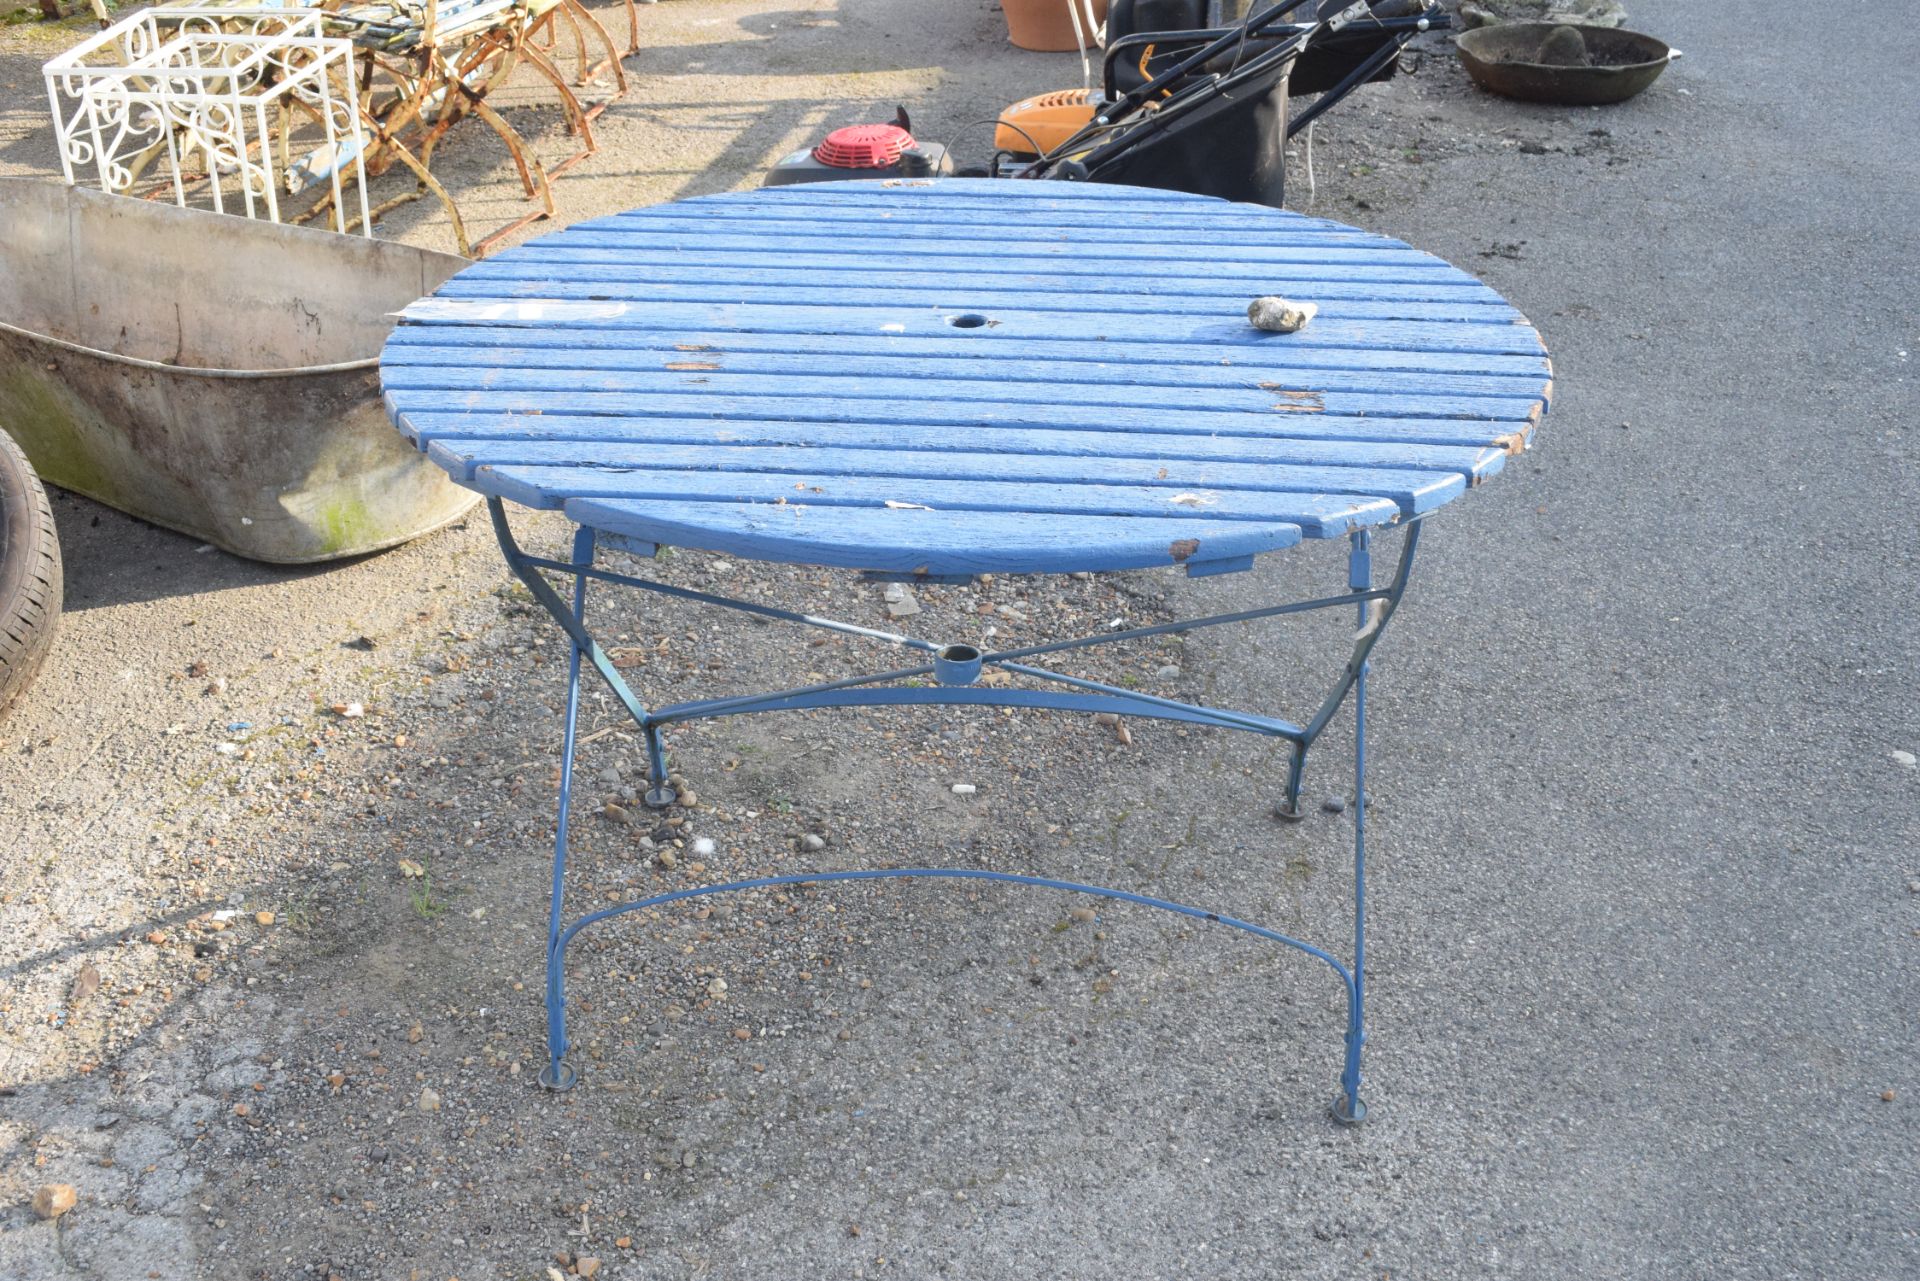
x=1375 y=613
x=558 y=1071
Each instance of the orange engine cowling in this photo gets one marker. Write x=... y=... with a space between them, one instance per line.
x=1044 y=121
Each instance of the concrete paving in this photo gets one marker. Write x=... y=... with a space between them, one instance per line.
x=1647 y=896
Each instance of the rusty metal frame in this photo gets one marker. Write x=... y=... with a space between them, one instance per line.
x=438 y=82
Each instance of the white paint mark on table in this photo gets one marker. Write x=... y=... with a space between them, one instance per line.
x=480 y=310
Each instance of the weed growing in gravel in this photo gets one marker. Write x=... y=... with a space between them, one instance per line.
x=425 y=905
x=303 y=913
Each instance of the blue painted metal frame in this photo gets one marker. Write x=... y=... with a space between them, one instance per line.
x=1375 y=607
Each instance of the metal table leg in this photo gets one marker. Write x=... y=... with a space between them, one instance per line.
x=559 y=1074
x=1347 y=1107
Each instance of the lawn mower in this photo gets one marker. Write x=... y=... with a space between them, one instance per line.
x=1182 y=106
x=1208 y=109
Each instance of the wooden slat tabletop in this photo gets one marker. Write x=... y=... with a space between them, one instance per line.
x=958 y=376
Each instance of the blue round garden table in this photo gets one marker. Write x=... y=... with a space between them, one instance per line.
x=932 y=379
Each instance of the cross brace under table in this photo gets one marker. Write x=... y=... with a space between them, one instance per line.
x=953 y=669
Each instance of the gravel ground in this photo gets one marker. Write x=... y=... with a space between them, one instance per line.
x=1643 y=809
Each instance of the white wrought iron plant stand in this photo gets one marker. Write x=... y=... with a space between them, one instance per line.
x=251 y=98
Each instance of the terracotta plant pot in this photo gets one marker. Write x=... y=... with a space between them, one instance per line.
x=1045 y=25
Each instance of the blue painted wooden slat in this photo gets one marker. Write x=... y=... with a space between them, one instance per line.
x=959 y=191
x=1319 y=515
x=582 y=408
x=1146 y=255
x=965 y=226
x=965 y=223
x=914 y=188
x=974 y=296
x=706 y=282
x=426 y=427
x=1414 y=491
x=1265 y=359
x=1091 y=223
x=816 y=194
x=941 y=391
x=966 y=195
x=455 y=304
x=991 y=197
x=1078 y=271
x=817 y=203
x=824 y=208
x=934 y=542
x=1451 y=395
x=1046 y=220
x=957 y=188
x=671 y=374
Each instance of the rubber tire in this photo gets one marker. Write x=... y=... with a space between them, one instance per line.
x=29 y=572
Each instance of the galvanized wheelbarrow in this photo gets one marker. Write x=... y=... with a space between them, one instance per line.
x=212 y=374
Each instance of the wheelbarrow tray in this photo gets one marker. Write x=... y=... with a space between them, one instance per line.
x=211 y=374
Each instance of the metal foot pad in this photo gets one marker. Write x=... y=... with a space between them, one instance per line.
x=661 y=797
x=1341 y=1114
x=559 y=1077
x=1290 y=811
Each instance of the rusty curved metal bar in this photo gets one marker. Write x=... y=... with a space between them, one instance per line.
x=463 y=98
x=633 y=29
x=577 y=119
x=579 y=37
x=517 y=146
x=610 y=62
x=427 y=181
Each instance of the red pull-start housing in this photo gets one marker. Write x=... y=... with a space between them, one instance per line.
x=863 y=147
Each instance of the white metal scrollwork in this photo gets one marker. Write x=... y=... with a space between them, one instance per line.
x=229 y=107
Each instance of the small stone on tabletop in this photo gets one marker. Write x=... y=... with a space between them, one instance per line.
x=1280 y=315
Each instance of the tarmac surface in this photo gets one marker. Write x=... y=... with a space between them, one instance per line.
x=1644 y=815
